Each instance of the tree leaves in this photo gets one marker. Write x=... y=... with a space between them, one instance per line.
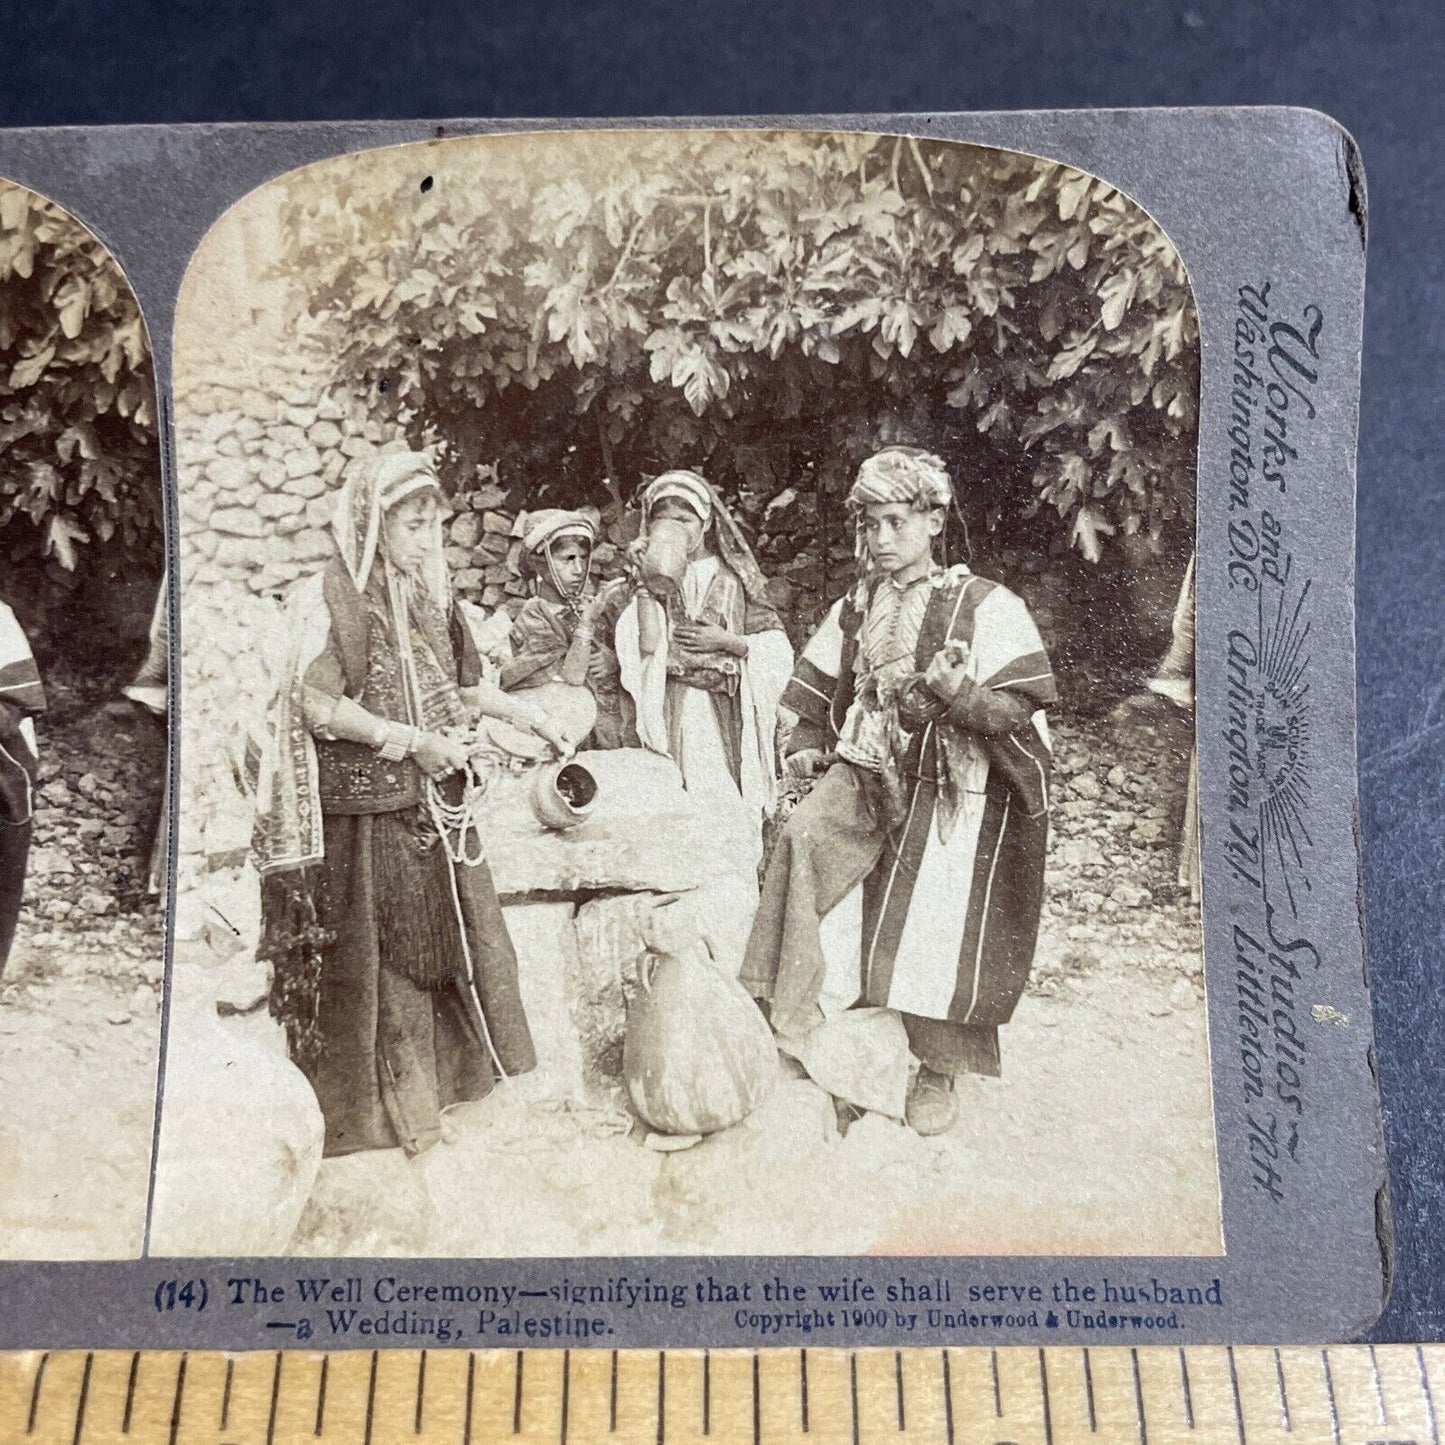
x=733 y=284
x=78 y=462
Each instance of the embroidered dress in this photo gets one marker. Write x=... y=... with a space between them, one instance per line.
x=415 y=1004
x=714 y=715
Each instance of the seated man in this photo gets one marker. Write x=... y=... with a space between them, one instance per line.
x=564 y=631
x=911 y=876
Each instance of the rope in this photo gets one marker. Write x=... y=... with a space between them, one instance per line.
x=461 y=818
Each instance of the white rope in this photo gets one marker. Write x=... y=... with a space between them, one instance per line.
x=461 y=818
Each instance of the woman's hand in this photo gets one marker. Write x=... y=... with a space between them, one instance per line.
x=552 y=731
x=437 y=755
x=709 y=637
x=546 y=727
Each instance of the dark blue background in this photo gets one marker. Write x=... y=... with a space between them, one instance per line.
x=1378 y=68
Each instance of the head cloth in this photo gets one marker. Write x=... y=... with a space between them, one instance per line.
x=698 y=494
x=907 y=475
x=374 y=485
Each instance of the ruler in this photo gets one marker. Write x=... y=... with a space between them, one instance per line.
x=1342 y=1395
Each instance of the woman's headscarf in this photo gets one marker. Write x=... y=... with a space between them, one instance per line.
x=542 y=529
x=373 y=486
x=698 y=494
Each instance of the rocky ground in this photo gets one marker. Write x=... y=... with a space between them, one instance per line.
x=1098 y=1138
x=80 y=1000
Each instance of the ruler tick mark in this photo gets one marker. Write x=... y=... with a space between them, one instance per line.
x=898 y=1376
x=321 y=1397
x=1284 y=1416
x=1188 y=1393
x=1379 y=1388
x=421 y=1393
x=275 y=1396
x=612 y=1398
x=757 y=1403
x=176 y=1403
x=35 y=1392
x=1330 y=1395
x=1089 y=1391
x=471 y=1384
x=997 y=1393
x=661 y=1395
x=803 y=1387
x=1234 y=1386
x=1429 y=1397
x=852 y=1392
x=1139 y=1397
x=130 y=1394
x=947 y=1398
x=566 y=1393
x=707 y=1392
x=370 y=1400
x=517 y=1398
x=80 y=1404
x=1044 y=1395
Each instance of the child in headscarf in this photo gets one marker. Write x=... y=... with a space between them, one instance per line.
x=564 y=632
x=394 y=970
x=707 y=661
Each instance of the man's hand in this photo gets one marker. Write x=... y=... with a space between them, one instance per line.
x=947 y=672
x=709 y=637
x=806 y=762
x=437 y=755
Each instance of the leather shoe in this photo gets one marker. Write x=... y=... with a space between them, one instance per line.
x=932 y=1104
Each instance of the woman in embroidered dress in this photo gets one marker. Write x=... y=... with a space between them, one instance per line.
x=707 y=664
x=393 y=966
x=564 y=632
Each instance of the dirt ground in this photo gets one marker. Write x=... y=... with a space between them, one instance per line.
x=80 y=1000
x=1098 y=1139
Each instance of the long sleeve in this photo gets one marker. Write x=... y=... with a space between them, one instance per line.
x=539 y=647
x=988 y=711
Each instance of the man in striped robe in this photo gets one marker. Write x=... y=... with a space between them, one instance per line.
x=21 y=697
x=911 y=876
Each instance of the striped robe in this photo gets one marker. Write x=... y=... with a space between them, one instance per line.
x=942 y=921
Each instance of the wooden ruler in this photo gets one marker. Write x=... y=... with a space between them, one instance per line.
x=1343 y=1395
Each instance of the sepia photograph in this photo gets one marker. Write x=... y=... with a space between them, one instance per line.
x=687 y=732
x=83 y=690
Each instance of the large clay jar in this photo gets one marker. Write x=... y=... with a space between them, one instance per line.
x=698 y=1055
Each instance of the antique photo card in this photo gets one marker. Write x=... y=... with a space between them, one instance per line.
x=763 y=731
x=83 y=671
x=651 y=398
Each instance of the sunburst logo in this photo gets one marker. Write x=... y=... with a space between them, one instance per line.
x=1281 y=726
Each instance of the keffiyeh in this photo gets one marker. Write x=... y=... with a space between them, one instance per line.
x=906 y=475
